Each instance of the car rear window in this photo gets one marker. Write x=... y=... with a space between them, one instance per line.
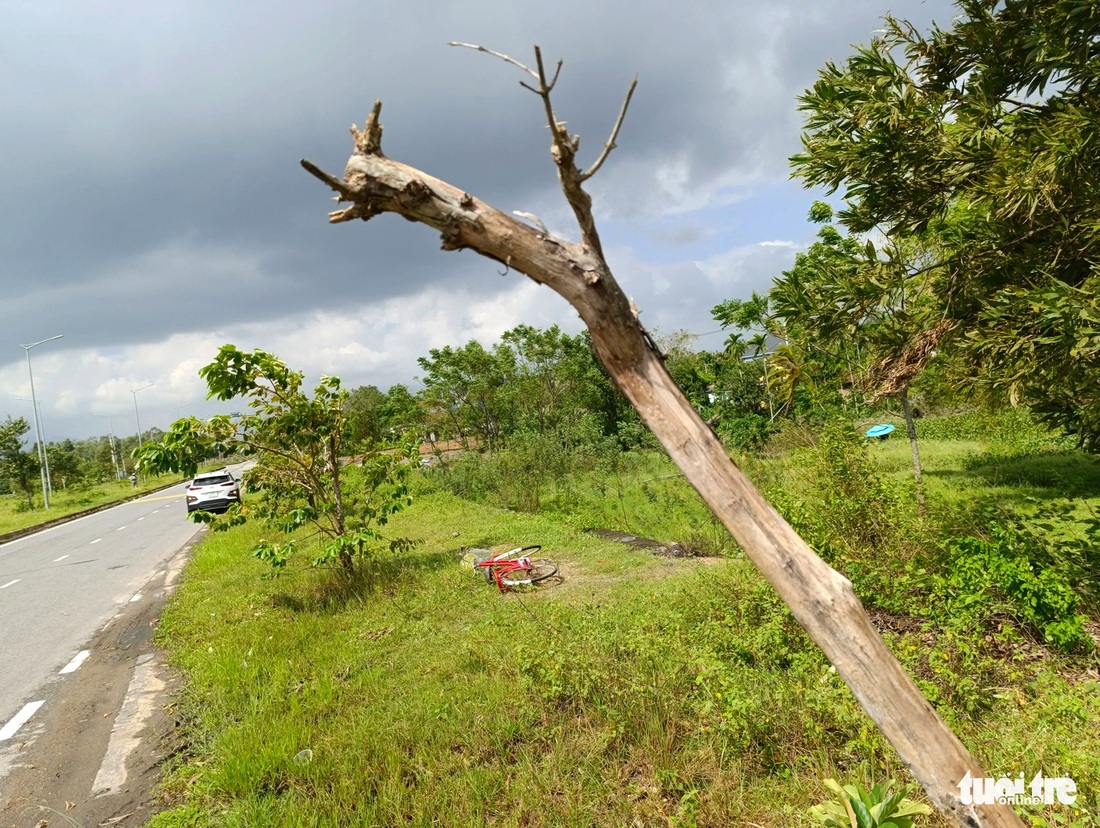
x=213 y=480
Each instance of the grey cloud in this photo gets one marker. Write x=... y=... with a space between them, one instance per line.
x=133 y=130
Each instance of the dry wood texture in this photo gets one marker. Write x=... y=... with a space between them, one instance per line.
x=821 y=598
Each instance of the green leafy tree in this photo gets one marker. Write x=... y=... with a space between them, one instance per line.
x=557 y=387
x=19 y=467
x=848 y=305
x=468 y=385
x=725 y=388
x=363 y=415
x=401 y=413
x=298 y=441
x=752 y=316
x=994 y=118
x=67 y=466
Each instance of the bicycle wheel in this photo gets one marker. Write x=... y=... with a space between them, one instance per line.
x=534 y=572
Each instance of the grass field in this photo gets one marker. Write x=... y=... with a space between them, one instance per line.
x=635 y=690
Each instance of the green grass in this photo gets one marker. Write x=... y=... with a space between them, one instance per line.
x=636 y=691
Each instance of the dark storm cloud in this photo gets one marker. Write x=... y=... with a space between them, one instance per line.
x=150 y=156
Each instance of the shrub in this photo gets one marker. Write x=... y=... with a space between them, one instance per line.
x=981 y=578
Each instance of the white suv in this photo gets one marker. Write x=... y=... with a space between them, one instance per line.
x=213 y=492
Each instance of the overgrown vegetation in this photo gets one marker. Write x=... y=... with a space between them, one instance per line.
x=638 y=689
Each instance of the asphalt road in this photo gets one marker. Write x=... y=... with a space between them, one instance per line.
x=60 y=586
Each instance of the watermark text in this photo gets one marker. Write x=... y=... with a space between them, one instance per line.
x=1041 y=790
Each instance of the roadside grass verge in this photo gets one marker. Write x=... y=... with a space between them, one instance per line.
x=634 y=691
x=14 y=515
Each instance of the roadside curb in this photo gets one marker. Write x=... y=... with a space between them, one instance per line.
x=49 y=524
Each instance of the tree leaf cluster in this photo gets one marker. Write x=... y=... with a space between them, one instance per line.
x=18 y=467
x=980 y=142
x=532 y=381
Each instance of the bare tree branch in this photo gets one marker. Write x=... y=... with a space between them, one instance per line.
x=344 y=193
x=500 y=55
x=610 y=145
x=369 y=141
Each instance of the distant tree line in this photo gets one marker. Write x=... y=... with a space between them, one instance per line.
x=549 y=383
x=72 y=463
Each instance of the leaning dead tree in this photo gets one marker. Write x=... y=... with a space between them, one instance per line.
x=821 y=599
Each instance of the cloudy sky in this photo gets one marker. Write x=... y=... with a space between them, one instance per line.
x=153 y=207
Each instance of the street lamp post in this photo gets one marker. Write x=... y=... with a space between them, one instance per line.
x=111 y=443
x=43 y=460
x=38 y=445
x=138 y=416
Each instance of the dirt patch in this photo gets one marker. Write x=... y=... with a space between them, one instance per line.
x=663 y=550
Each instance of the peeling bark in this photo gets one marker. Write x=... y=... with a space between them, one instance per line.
x=821 y=599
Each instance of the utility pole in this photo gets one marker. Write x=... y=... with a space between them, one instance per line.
x=138 y=416
x=43 y=460
x=111 y=443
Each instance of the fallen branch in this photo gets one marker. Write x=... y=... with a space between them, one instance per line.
x=821 y=599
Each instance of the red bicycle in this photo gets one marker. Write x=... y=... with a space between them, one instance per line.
x=516 y=567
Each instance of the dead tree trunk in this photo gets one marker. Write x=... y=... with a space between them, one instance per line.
x=821 y=599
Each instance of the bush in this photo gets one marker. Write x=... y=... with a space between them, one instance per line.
x=1002 y=575
x=748 y=432
x=846 y=512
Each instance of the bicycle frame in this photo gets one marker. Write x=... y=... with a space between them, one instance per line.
x=502 y=563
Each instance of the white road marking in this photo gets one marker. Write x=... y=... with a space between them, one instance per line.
x=78 y=659
x=141 y=518
x=9 y=583
x=137 y=707
x=97 y=540
x=63 y=557
x=20 y=719
x=119 y=529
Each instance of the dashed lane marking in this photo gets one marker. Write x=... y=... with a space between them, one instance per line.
x=63 y=557
x=119 y=529
x=97 y=540
x=21 y=718
x=78 y=659
x=9 y=583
